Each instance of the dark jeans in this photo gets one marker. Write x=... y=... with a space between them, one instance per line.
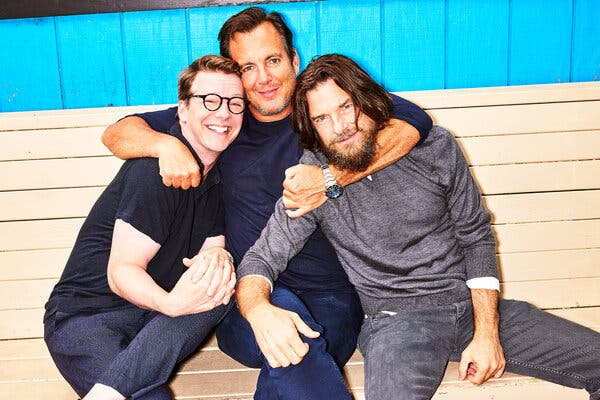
x=132 y=350
x=337 y=316
x=406 y=354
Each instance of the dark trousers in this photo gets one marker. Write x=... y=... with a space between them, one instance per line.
x=337 y=316
x=406 y=354
x=132 y=350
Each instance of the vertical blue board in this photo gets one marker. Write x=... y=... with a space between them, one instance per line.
x=155 y=52
x=413 y=44
x=205 y=24
x=540 y=41
x=586 y=41
x=91 y=60
x=352 y=31
x=302 y=20
x=476 y=43
x=29 y=78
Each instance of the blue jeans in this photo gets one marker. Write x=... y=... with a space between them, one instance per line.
x=406 y=354
x=132 y=350
x=337 y=316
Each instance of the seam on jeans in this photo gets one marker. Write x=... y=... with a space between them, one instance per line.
x=550 y=370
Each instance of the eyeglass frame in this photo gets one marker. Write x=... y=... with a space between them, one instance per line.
x=221 y=98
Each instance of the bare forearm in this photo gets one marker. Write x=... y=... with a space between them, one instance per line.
x=252 y=292
x=485 y=313
x=132 y=137
x=393 y=142
x=133 y=284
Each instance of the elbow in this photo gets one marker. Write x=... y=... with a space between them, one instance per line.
x=113 y=281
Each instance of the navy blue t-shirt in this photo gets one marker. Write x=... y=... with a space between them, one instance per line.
x=253 y=169
x=178 y=220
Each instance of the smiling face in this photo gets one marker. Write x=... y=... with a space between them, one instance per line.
x=268 y=74
x=347 y=142
x=210 y=132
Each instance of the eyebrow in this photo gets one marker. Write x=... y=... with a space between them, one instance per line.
x=340 y=105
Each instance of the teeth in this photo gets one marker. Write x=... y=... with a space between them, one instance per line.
x=218 y=128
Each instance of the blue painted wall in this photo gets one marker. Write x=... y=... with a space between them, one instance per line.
x=134 y=58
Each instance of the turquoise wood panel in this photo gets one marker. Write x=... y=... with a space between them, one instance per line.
x=29 y=78
x=585 y=62
x=540 y=41
x=155 y=52
x=302 y=20
x=205 y=24
x=352 y=31
x=90 y=51
x=476 y=43
x=413 y=44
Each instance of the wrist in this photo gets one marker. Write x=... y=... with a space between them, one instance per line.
x=333 y=189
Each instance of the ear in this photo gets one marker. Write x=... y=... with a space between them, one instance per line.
x=182 y=110
x=296 y=62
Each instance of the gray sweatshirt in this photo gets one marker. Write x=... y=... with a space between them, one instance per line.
x=408 y=238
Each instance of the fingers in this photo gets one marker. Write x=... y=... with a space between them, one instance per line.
x=215 y=281
x=181 y=177
x=463 y=366
x=303 y=328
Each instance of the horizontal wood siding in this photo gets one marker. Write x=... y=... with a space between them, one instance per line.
x=134 y=58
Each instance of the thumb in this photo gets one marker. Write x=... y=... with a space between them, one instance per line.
x=463 y=367
x=304 y=329
x=187 y=262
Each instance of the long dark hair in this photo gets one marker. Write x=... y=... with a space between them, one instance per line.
x=366 y=94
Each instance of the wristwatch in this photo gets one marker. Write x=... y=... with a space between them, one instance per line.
x=333 y=190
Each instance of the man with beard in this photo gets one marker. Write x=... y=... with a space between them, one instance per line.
x=413 y=238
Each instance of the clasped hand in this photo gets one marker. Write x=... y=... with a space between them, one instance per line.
x=208 y=282
x=303 y=189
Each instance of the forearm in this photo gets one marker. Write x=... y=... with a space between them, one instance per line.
x=485 y=314
x=132 y=137
x=392 y=143
x=252 y=292
x=132 y=283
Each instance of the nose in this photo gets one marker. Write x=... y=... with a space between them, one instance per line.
x=340 y=125
x=223 y=111
x=264 y=76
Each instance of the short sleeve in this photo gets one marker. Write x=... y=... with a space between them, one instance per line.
x=161 y=120
x=413 y=114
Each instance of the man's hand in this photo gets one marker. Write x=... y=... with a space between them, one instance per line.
x=303 y=189
x=188 y=297
x=276 y=332
x=178 y=167
x=222 y=284
x=482 y=360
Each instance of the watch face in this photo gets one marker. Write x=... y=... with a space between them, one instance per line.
x=334 y=191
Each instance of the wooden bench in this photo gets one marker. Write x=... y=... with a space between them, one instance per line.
x=535 y=151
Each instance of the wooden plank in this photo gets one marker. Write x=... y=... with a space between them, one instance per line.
x=538 y=177
x=416 y=64
x=59 y=173
x=35 y=235
x=338 y=34
x=91 y=50
x=44 y=204
x=17 y=295
x=54 y=389
x=513 y=119
x=542 y=236
x=556 y=293
x=533 y=41
x=544 y=265
x=29 y=65
x=503 y=95
x=151 y=39
x=476 y=53
x=542 y=207
x=585 y=54
x=52 y=143
x=75 y=118
x=32 y=264
x=21 y=324
x=530 y=148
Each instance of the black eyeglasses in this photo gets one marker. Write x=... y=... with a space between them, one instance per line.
x=212 y=102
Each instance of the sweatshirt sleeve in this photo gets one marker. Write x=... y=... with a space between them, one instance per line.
x=466 y=210
x=413 y=114
x=281 y=239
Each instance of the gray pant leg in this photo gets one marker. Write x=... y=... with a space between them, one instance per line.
x=542 y=345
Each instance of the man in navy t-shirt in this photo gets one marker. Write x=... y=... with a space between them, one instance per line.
x=126 y=310
x=314 y=285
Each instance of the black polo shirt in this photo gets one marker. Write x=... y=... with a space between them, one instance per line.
x=179 y=220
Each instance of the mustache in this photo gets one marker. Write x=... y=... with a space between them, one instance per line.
x=343 y=136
